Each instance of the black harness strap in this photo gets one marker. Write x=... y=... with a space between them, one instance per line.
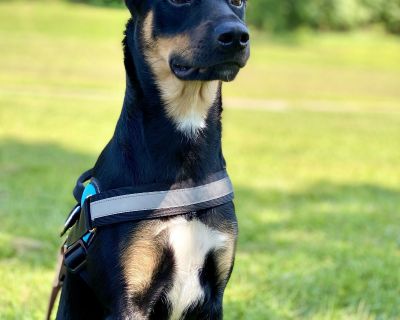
x=80 y=184
x=136 y=203
x=157 y=200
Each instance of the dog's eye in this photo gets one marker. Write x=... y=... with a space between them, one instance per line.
x=180 y=2
x=237 y=3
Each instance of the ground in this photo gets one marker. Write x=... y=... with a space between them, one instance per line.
x=311 y=137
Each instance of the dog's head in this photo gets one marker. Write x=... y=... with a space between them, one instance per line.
x=187 y=47
x=194 y=39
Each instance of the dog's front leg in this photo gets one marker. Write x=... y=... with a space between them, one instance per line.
x=78 y=301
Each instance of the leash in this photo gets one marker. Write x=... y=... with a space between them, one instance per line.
x=57 y=283
x=96 y=209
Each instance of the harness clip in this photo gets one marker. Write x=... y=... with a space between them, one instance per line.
x=72 y=218
x=75 y=256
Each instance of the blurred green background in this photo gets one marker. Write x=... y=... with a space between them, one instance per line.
x=311 y=137
x=283 y=15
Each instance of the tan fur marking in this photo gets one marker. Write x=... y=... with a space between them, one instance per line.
x=224 y=257
x=187 y=102
x=141 y=257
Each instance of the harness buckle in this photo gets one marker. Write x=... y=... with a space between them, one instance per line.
x=75 y=256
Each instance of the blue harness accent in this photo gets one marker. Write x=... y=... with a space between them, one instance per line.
x=86 y=237
x=90 y=190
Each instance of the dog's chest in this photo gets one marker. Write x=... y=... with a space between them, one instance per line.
x=190 y=243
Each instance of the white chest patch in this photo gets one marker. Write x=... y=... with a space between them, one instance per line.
x=191 y=124
x=190 y=241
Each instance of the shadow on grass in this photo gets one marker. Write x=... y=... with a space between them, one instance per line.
x=36 y=182
x=323 y=206
x=327 y=246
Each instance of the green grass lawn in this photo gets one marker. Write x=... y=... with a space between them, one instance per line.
x=311 y=137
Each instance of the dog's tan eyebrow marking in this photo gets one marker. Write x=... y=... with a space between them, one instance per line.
x=186 y=102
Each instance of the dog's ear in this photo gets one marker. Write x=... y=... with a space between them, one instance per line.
x=133 y=5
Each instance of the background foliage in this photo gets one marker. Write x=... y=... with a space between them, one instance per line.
x=283 y=15
x=279 y=15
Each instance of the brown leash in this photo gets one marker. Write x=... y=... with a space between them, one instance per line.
x=57 y=283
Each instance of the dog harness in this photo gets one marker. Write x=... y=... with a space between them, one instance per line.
x=96 y=209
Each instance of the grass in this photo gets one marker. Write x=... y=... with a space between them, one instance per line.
x=311 y=137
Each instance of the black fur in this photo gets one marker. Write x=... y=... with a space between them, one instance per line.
x=146 y=148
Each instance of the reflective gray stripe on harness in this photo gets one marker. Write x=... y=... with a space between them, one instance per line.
x=100 y=208
x=169 y=202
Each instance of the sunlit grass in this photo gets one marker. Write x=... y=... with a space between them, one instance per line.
x=317 y=193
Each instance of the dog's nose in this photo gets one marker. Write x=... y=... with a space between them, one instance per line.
x=232 y=36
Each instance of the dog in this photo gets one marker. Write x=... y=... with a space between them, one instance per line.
x=177 y=54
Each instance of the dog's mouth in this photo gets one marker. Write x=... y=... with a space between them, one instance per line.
x=226 y=71
x=182 y=71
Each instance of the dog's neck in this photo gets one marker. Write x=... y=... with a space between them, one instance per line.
x=147 y=145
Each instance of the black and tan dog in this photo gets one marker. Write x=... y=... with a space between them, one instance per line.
x=177 y=52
